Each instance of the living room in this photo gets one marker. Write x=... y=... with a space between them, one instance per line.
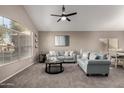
x=92 y=35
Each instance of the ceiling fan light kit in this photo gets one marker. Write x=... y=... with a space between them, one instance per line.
x=64 y=16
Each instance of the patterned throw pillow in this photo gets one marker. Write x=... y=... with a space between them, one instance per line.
x=92 y=56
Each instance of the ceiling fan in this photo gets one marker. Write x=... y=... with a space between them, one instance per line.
x=64 y=16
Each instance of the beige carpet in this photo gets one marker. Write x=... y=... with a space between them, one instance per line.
x=72 y=77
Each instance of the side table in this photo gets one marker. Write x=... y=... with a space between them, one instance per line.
x=42 y=58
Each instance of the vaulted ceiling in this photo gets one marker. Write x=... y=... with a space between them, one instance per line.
x=88 y=18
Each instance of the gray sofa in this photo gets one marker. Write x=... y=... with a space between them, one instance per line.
x=92 y=64
x=69 y=57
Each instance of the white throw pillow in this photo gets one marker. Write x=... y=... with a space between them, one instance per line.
x=66 y=53
x=71 y=53
x=85 y=54
x=53 y=53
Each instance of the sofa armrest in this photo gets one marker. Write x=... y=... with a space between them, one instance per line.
x=74 y=56
x=78 y=56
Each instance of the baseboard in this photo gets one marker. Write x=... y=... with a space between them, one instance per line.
x=15 y=73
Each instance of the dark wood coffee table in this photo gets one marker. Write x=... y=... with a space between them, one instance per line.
x=54 y=67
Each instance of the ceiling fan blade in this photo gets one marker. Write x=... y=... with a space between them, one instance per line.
x=71 y=14
x=63 y=8
x=68 y=19
x=56 y=15
x=58 y=19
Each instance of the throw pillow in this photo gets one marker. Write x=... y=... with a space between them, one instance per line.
x=53 y=58
x=71 y=53
x=53 y=53
x=105 y=56
x=101 y=56
x=85 y=55
x=66 y=53
x=98 y=57
x=93 y=56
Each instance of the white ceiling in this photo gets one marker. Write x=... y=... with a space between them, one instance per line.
x=88 y=18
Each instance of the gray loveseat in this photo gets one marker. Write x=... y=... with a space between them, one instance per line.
x=92 y=63
x=65 y=56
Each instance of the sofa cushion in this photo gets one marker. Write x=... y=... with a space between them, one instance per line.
x=69 y=61
x=53 y=58
x=97 y=62
x=60 y=57
x=61 y=53
x=84 y=60
x=68 y=58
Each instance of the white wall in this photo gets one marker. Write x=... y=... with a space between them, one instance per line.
x=18 y=14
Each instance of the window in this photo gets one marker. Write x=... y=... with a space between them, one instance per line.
x=15 y=41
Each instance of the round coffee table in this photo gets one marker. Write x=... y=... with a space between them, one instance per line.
x=54 y=67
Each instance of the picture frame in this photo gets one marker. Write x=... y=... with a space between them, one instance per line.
x=62 y=40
